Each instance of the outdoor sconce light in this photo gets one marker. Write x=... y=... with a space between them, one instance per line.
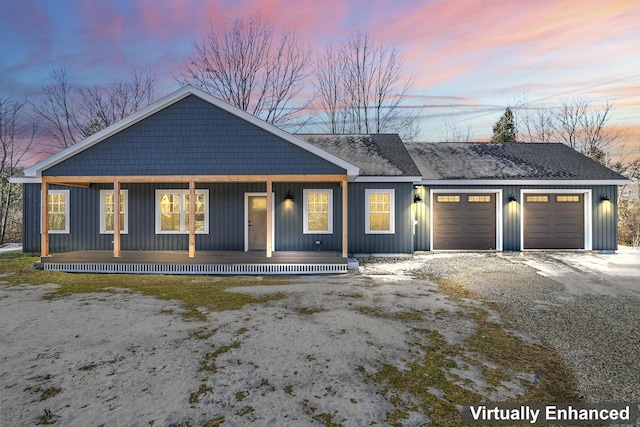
x=288 y=197
x=604 y=198
x=417 y=198
x=512 y=198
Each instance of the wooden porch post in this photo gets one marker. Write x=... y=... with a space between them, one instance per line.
x=345 y=219
x=44 y=217
x=116 y=219
x=269 y=217
x=192 y=219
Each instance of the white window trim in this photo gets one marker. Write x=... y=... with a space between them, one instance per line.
x=183 y=221
x=103 y=224
x=305 y=209
x=392 y=208
x=66 y=212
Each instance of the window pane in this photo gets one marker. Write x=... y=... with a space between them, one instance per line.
x=57 y=222
x=170 y=222
x=537 y=199
x=170 y=203
x=448 y=199
x=379 y=202
x=379 y=222
x=568 y=199
x=108 y=222
x=199 y=226
x=108 y=203
x=56 y=205
x=318 y=222
x=109 y=210
x=199 y=203
x=479 y=199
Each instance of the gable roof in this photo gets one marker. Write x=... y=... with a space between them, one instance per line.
x=34 y=172
x=509 y=162
x=377 y=155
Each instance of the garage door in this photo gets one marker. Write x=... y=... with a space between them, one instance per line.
x=554 y=221
x=464 y=221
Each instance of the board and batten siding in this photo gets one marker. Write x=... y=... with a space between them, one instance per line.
x=289 y=219
x=192 y=137
x=401 y=242
x=604 y=214
x=226 y=219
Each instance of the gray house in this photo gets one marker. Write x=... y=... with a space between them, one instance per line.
x=191 y=184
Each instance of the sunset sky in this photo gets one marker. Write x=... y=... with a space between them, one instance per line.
x=471 y=58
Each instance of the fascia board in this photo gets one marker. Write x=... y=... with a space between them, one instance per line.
x=520 y=182
x=387 y=178
x=25 y=180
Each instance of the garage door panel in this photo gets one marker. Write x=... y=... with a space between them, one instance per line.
x=554 y=221
x=464 y=224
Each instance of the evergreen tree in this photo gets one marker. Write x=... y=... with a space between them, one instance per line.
x=505 y=128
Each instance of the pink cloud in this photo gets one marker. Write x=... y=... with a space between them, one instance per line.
x=444 y=37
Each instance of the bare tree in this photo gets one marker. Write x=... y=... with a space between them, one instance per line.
x=535 y=124
x=361 y=88
x=101 y=107
x=252 y=68
x=575 y=122
x=329 y=74
x=16 y=140
x=453 y=132
x=56 y=109
x=69 y=113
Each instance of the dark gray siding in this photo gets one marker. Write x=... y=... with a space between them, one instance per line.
x=401 y=241
x=289 y=220
x=605 y=218
x=226 y=219
x=193 y=137
x=422 y=220
x=31 y=218
x=604 y=215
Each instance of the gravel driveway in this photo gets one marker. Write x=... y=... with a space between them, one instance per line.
x=586 y=305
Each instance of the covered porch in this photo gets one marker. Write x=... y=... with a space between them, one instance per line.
x=207 y=259
x=203 y=262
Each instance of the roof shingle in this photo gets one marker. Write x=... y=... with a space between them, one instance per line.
x=375 y=155
x=511 y=160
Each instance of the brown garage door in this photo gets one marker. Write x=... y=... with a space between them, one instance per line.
x=554 y=221
x=464 y=221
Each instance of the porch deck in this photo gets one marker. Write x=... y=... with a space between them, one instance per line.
x=205 y=262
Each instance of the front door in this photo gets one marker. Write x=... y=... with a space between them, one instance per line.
x=257 y=222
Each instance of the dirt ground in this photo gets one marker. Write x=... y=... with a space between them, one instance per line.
x=336 y=350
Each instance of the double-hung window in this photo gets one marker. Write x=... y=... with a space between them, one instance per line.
x=108 y=210
x=58 y=211
x=380 y=212
x=172 y=211
x=318 y=211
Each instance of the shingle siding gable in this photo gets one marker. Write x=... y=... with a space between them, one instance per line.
x=196 y=138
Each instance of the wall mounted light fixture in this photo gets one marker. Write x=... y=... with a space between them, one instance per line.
x=512 y=198
x=417 y=198
x=604 y=198
x=288 y=197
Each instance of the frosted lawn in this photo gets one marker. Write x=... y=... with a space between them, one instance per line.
x=126 y=359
